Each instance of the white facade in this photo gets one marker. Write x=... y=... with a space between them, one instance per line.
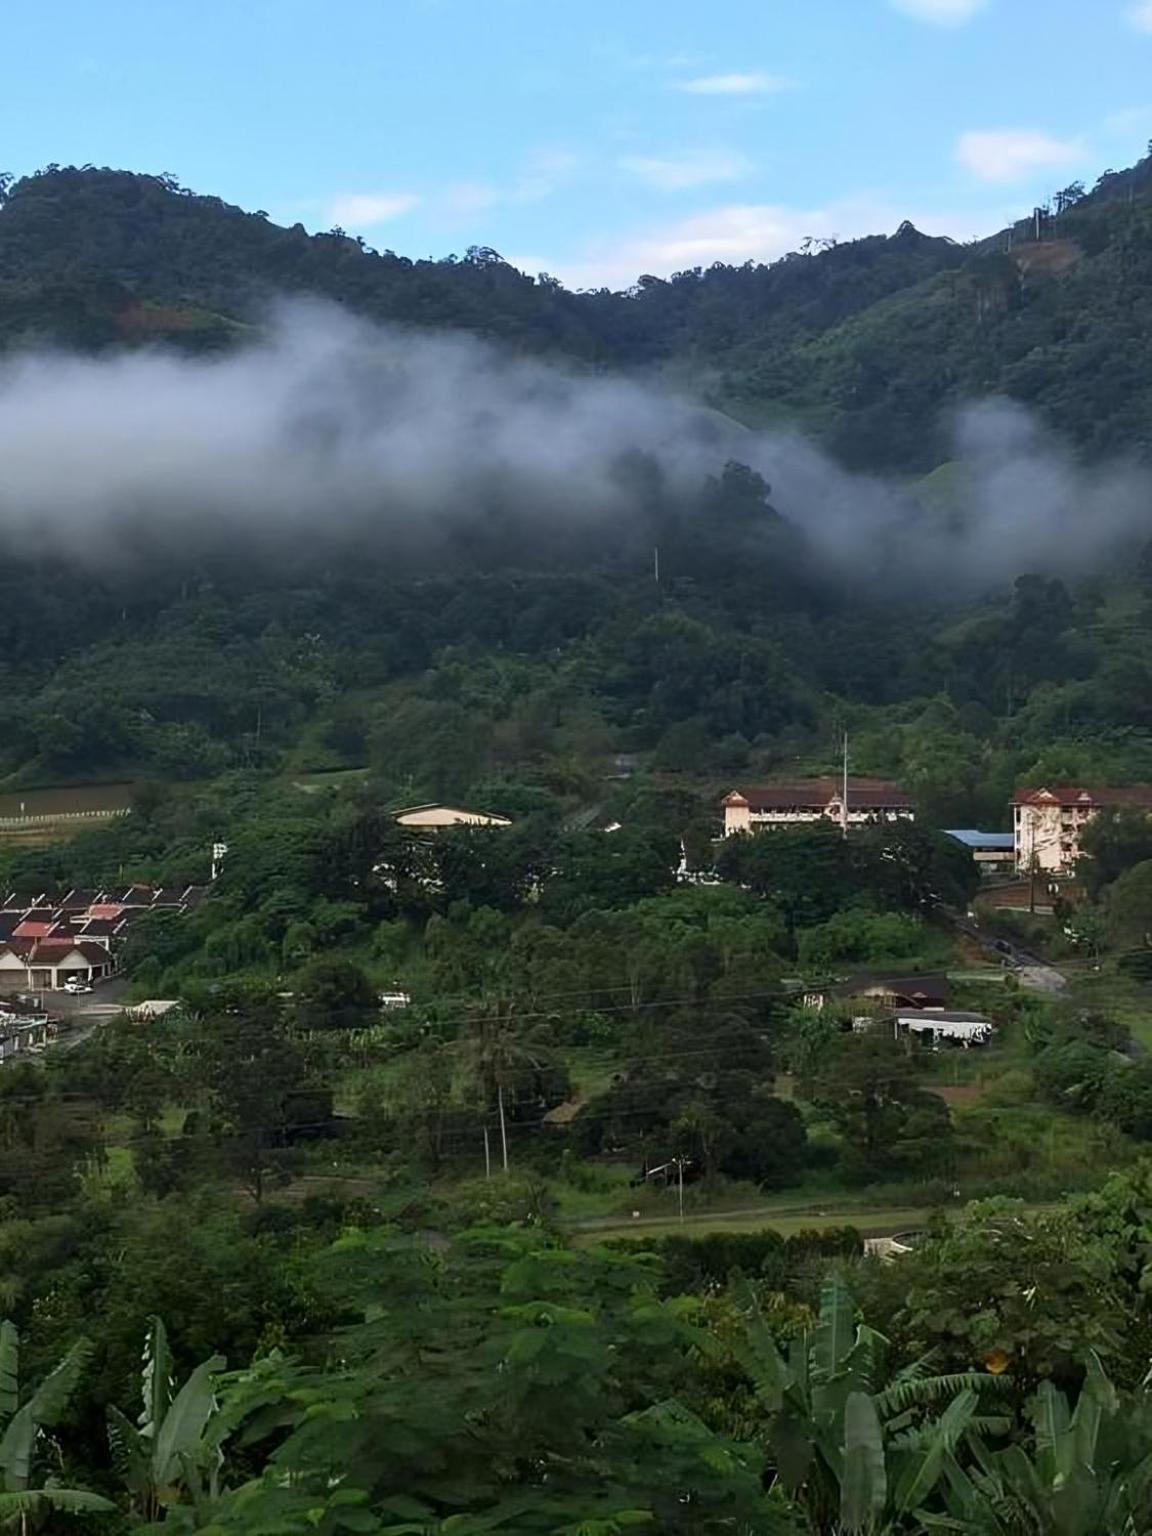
x=1048 y=823
x=814 y=800
x=46 y=969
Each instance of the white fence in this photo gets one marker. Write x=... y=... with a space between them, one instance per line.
x=45 y=818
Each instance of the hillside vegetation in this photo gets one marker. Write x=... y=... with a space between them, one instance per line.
x=862 y=343
x=321 y=1247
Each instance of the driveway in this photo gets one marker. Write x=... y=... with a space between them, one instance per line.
x=104 y=1001
x=1041 y=978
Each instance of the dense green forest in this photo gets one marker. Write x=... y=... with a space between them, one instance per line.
x=582 y=1238
x=864 y=343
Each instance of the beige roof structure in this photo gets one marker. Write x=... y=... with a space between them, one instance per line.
x=433 y=817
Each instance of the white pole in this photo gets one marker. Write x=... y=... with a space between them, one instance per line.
x=503 y=1127
x=844 y=791
x=680 y=1180
x=487 y=1155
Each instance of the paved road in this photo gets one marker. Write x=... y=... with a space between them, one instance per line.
x=1042 y=978
x=1031 y=970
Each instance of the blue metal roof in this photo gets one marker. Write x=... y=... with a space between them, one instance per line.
x=973 y=839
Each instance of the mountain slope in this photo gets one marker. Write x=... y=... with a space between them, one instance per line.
x=865 y=344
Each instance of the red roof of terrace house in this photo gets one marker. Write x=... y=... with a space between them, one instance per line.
x=30 y=930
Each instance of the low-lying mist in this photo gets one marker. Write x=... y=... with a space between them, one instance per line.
x=324 y=422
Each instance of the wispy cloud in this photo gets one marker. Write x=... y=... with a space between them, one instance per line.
x=364 y=210
x=1129 y=120
x=692 y=168
x=468 y=197
x=754 y=83
x=740 y=232
x=459 y=202
x=543 y=173
x=944 y=13
x=1140 y=15
x=1009 y=154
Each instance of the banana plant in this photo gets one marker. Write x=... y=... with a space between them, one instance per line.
x=173 y=1451
x=22 y=1424
x=1089 y=1472
x=855 y=1452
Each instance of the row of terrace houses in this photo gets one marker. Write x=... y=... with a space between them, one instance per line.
x=47 y=941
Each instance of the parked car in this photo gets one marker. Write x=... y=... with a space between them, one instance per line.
x=75 y=986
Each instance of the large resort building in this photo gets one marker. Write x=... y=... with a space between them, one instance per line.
x=1048 y=823
x=809 y=800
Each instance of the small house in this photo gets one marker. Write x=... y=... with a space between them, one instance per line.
x=993 y=853
x=44 y=965
x=928 y=991
x=941 y=1025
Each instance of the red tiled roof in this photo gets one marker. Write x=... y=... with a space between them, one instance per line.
x=27 y=930
x=1077 y=795
x=95 y=954
x=53 y=951
x=817 y=794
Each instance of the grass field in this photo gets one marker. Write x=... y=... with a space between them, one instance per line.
x=1121 y=997
x=99 y=799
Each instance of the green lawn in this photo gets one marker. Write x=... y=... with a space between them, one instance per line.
x=1124 y=999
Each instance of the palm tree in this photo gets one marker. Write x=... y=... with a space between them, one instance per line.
x=174 y=1447
x=498 y=1057
x=23 y=1423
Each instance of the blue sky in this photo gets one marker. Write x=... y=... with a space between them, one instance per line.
x=595 y=140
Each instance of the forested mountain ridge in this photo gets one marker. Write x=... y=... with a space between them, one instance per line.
x=863 y=343
x=365 y=1174
x=745 y=655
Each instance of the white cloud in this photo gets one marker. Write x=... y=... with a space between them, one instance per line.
x=467 y=197
x=756 y=83
x=458 y=203
x=544 y=172
x=692 y=168
x=364 y=209
x=1011 y=153
x=944 y=13
x=1128 y=120
x=740 y=232
x=1140 y=15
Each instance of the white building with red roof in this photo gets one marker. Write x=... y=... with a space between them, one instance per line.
x=808 y=800
x=1048 y=822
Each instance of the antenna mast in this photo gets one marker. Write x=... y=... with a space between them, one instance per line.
x=844 y=792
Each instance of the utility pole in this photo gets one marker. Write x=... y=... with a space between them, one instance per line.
x=844 y=792
x=487 y=1154
x=656 y=564
x=503 y=1126
x=680 y=1182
